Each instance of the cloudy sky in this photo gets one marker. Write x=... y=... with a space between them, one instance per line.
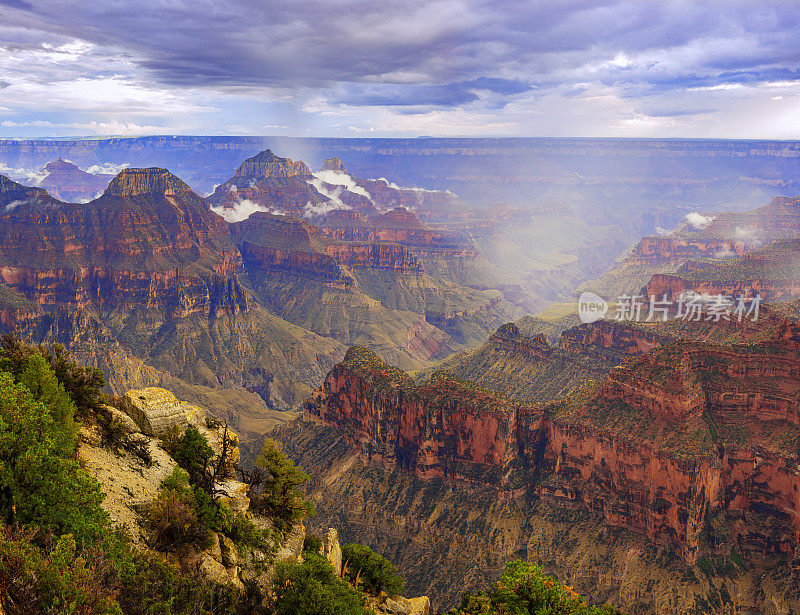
x=400 y=68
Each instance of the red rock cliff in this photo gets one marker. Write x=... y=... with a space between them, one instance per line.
x=665 y=440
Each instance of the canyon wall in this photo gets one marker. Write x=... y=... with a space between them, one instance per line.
x=671 y=437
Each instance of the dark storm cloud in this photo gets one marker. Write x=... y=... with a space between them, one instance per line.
x=434 y=95
x=438 y=53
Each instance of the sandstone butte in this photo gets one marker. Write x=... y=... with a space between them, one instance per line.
x=147 y=240
x=656 y=447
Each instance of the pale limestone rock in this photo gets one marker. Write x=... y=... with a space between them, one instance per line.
x=155 y=410
x=123 y=418
x=129 y=485
x=420 y=606
x=233 y=493
x=398 y=605
x=292 y=547
x=332 y=550
x=229 y=552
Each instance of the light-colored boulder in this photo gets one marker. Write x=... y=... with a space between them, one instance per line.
x=123 y=418
x=229 y=551
x=332 y=550
x=420 y=606
x=398 y=605
x=155 y=410
x=292 y=547
x=233 y=493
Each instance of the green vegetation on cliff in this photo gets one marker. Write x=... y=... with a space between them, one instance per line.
x=524 y=589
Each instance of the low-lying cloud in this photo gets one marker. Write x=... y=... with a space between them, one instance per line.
x=316 y=210
x=107 y=168
x=30 y=177
x=698 y=221
x=242 y=210
x=338 y=178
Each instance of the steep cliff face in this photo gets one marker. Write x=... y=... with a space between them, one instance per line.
x=723 y=240
x=385 y=256
x=373 y=293
x=525 y=366
x=148 y=240
x=772 y=271
x=692 y=445
x=149 y=266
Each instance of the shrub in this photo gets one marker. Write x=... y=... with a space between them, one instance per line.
x=139 y=447
x=82 y=383
x=174 y=521
x=246 y=534
x=150 y=587
x=312 y=544
x=54 y=580
x=39 y=484
x=194 y=455
x=171 y=439
x=312 y=588
x=523 y=588
x=371 y=571
x=274 y=486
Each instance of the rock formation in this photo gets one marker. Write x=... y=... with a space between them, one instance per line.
x=67 y=182
x=130 y=484
x=691 y=445
x=155 y=410
x=149 y=269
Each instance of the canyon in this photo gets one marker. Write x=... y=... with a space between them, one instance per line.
x=690 y=445
x=652 y=465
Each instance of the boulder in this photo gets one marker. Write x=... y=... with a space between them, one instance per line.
x=128 y=422
x=229 y=552
x=292 y=547
x=154 y=410
x=233 y=493
x=398 y=605
x=332 y=550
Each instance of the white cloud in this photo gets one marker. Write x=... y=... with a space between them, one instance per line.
x=31 y=177
x=107 y=168
x=698 y=221
x=337 y=178
x=13 y=205
x=313 y=210
x=333 y=196
x=242 y=210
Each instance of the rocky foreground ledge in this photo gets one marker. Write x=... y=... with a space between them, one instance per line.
x=131 y=485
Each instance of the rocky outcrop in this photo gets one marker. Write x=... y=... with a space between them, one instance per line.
x=274 y=183
x=660 y=248
x=381 y=256
x=651 y=449
x=771 y=272
x=301 y=263
x=147 y=240
x=605 y=334
x=155 y=410
x=149 y=266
